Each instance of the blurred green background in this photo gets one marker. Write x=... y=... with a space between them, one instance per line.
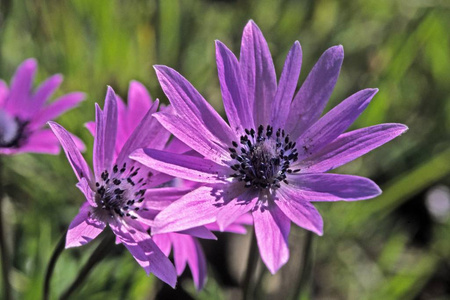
x=396 y=246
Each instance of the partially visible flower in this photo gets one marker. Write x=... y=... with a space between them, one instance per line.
x=116 y=190
x=271 y=158
x=23 y=112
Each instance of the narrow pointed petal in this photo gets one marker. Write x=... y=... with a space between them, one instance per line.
x=235 y=208
x=335 y=122
x=192 y=210
x=147 y=253
x=44 y=92
x=105 y=136
x=272 y=232
x=83 y=228
x=160 y=198
x=139 y=102
x=350 y=146
x=83 y=186
x=90 y=126
x=74 y=156
x=188 y=250
x=331 y=187
x=43 y=141
x=163 y=242
x=299 y=211
x=286 y=87
x=258 y=73
x=193 y=108
x=200 y=232
x=233 y=90
x=21 y=87
x=179 y=165
x=314 y=93
x=194 y=138
x=61 y=105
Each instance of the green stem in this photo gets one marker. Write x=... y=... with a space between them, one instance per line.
x=6 y=259
x=304 y=287
x=99 y=253
x=51 y=265
x=252 y=260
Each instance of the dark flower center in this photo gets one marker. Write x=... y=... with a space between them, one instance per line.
x=120 y=193
x=13 y=131
x=263 y=157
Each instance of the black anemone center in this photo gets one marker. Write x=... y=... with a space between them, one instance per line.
x=120 y=193
x=13 y=132
x=262 y=157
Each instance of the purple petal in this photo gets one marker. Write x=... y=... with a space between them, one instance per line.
x=57 y=108
x=44 y=92
x=179 y=165
x=299 y=211
x=193 y=108
x=236 y=208
x=200 y=232
x=193 y=137
x=139 y=102
x=77 y=161
x=314 y=93
x=272 y=233
x=331 y=187
x=42 y=141
x=163 y=242
x=147 y=254
x=286 y=87
x=160 y=198
x=91 y=127
x=350 y=146
x=21 y=85
x=4 y=92
x=258 y=73
x=192 y=210
x=188 y=249
x=83 y=186
x=233 y=89
x=331 y=125
x=105 y=136
x=83 y=228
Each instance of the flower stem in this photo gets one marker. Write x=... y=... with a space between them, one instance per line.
x=51 y=265
x=252 y=260
x=303 y=289
x=6 y=259
x=99 y=253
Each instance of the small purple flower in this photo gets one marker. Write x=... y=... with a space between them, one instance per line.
x=23 y=112
x=116 y=190
x=271 y=158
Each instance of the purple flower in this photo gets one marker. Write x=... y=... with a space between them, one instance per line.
x=116 y=190
x=23 y=112
x=271 y=158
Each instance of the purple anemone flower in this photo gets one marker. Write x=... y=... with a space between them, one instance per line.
x=23 y=112
x=271 y=158
x=115 y=191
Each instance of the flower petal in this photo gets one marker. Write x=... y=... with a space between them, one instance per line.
x=299 y=211
x=286 y=87
x=57 y=108
x=350 y=146
x=193 y=108
x=272 y=233
x=44 y=92
x=314 y=93
x=233 y=90
x=4 y=92
x=200 y=232
x=42 y=141
x=147 y=253
x=20 y=92
x=331 y=187
x=192 y=210
x=236 y=207
x=331 y=125
x=83 y=186
x=83 y=228
x=179 y=165
x=74 y=156
x=139 y=102
x=105 y=136
x=258 y=73
x=160 y=198
x=193 y=137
